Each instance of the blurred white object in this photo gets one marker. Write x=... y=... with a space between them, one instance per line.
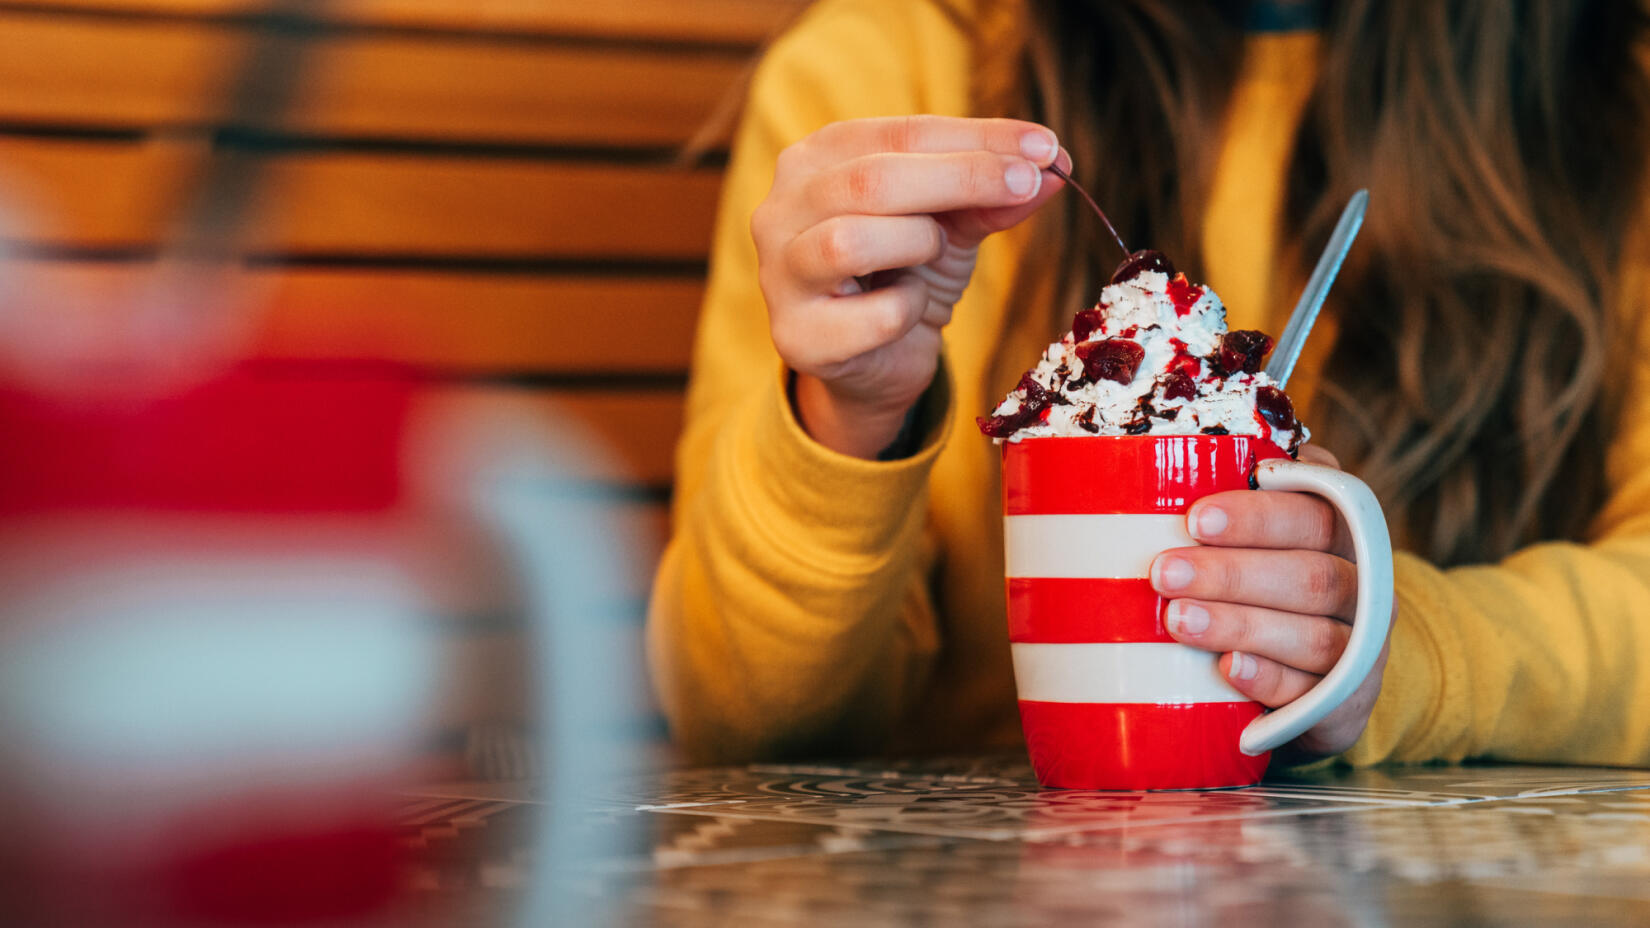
x=183 y=673
x=183 y=692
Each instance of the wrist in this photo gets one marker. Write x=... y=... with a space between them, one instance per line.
x=847 y=425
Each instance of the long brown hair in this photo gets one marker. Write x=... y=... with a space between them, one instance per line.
x=1503 y=142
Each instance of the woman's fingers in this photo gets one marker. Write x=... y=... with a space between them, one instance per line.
x=1264 y=680
x=1268 y=519
x=925 y=135
x=1311 y=643
x=852 y=326
x=843 y=247
x=975 y=225
x=904 y=184
x=1307 y=582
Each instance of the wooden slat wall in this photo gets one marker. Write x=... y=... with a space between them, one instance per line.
x=734 y=23
x=486 y=189
x=123 y=194
x=112 y=71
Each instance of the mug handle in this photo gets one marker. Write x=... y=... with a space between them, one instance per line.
x=1372 y=547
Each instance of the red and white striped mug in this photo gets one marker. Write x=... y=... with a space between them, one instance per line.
x=1108 y=699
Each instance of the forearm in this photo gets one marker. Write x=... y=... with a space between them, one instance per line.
x=1538 y=659
x=790 y=614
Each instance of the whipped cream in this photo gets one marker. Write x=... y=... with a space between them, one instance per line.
x=1153 y=357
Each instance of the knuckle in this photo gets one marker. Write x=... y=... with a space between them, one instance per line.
x=900 y=134
x=1322 y=532
x=1326 y=640
x=1226 y=577
x=888 y=320
x=790 y=158
x=1347 y=584
x=785 y=343
x=975 y=178
x=1238 y=625
x=936 y=239
x=862 y=183
x=1252 y=519
x=1323 y=582
x=837 y=246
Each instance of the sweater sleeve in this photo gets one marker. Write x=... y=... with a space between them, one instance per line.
x=1544 y=657
x=790 y=612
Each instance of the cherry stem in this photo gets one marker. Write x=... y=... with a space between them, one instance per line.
x=1055 y=170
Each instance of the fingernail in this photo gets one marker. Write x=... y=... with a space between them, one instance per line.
x=1021 y=179
x=1172 y=573
x=1243 y=667
x=1187 y=618
x=1209 y=522
x=1039 y=146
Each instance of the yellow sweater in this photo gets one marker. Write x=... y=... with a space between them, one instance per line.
x=811 y=603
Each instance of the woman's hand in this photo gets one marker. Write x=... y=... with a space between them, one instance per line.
x=865 y=243
x=1274 y=585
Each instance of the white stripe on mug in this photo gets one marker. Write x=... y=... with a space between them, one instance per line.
x=1137 y=672
x=1097 y=546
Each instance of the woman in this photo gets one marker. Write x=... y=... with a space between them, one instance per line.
x=834 y=583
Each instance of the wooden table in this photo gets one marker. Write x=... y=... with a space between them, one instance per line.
x=974 y=841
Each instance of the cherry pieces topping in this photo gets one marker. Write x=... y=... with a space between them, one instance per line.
x=1032 y=408
x=1242 y=350
x=1140 y=262
x=1178 y=386
x=1115 y=359
x=1273 y=405
x=1184 y=294
x=1087 y=323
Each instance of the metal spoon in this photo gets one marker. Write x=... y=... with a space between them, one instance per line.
x=1301 y=320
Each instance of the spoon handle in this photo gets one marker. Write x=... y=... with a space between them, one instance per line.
x=1305 y=315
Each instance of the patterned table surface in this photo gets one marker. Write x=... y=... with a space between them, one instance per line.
x=975 y=841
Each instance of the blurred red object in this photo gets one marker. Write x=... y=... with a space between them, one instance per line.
x=270 y=437
x=271 y=841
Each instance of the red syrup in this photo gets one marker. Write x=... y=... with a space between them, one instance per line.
x=1115 y=359
x=1183 y=361
x=1184 y=293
